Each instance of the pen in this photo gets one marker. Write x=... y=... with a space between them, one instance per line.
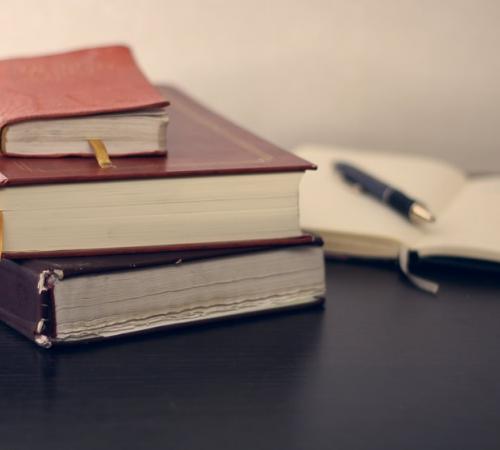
x=409 y=207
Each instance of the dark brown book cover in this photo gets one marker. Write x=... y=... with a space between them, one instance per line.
x=200 y=142
x=26 y=296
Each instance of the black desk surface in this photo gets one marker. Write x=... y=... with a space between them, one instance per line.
x=384 y=366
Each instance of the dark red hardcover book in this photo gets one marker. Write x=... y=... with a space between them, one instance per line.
x=201 y=143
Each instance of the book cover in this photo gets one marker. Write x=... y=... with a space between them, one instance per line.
x=200 y=142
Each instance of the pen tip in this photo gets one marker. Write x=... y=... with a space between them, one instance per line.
x=420 y=213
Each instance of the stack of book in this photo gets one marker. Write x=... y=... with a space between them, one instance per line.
x=199 y=226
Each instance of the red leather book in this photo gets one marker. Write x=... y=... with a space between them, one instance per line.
x=86 y=83
x=217 y=177
x=69 y=300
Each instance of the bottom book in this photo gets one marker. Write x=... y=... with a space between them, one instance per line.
x=70 y=300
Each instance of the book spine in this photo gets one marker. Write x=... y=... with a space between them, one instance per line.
x=25 y=302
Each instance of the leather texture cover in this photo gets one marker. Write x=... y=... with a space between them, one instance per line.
x=21 y=303
x=77 y=83
x=200 y=142
x=26 y=295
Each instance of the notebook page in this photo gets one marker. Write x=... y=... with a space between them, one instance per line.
x=470 y=225
x=329 y=205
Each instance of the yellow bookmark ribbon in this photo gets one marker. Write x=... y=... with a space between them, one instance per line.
x=101 y=154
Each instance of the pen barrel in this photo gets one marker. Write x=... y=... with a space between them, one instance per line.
x=399 y=201
x=376 y=188
x=368 y=184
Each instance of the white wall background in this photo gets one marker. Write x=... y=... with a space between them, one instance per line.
x=409 y=75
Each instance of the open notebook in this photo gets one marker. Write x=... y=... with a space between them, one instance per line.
x=354 y=224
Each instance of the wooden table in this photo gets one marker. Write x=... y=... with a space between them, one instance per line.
x=384 y=366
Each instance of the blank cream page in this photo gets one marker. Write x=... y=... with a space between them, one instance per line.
x=470 y=226
x=328 y=204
